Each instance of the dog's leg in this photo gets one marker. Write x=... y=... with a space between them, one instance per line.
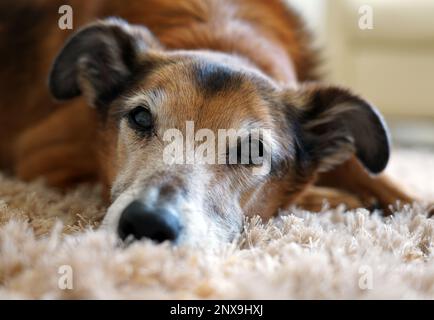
x=314 y=198
x=60 y=148
x=352 y=177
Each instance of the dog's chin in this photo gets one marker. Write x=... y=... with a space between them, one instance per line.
x=199 y=231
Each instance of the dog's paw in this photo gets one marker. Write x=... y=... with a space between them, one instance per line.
x=58 y=149
x=314 y=199
x=431 y=211
x=59 y=164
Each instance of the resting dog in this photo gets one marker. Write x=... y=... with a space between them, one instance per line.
x=242 y=65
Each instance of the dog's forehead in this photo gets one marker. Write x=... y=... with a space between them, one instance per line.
x=214 y=90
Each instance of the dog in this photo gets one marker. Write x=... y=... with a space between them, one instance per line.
x=130 y=71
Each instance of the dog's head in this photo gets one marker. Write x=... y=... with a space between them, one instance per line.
x=193 y=140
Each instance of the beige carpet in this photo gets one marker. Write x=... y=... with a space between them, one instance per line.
x=335 y=254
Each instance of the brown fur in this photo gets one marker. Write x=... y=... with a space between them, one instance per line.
x=66 y=145
x=182 y=24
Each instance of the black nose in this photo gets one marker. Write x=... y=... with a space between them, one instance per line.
x=138 y=221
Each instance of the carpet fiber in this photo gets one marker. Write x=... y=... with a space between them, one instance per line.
x=334 y=254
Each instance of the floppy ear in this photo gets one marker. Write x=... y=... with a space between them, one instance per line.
x=336 y=124
x=99 y=60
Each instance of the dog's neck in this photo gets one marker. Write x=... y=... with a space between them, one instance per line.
x=259 y=49
x=225 y=26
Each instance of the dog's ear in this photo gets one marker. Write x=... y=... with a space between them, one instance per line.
x=99 y=61
x=336 y=124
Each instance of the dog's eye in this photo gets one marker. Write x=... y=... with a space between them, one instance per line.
x=140 y=119
x=249 y=152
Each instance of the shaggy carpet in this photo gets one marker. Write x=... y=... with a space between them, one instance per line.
x=46 y=236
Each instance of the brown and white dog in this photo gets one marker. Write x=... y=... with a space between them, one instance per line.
x=222 y=64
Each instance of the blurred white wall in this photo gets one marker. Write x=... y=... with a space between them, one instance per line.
x=391 y=64
x=314 y=13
